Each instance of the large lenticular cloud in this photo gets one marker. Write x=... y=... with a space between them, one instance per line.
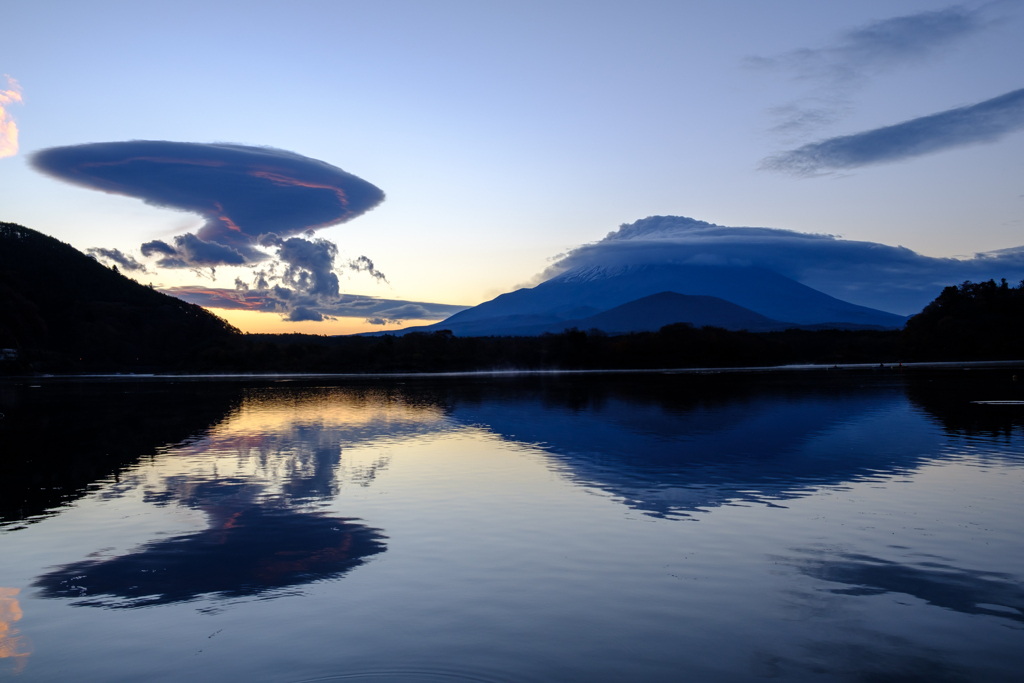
x=242 y=192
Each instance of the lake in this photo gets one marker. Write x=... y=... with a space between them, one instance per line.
x=805 y=526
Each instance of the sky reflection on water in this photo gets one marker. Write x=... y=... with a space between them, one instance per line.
x=857 y=528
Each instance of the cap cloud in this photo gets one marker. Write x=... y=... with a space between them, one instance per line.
x=894 y=279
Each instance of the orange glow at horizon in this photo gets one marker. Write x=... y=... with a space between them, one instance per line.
x=258 y=322
x=8 y=128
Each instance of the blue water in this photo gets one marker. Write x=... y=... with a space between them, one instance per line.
x=865 y=527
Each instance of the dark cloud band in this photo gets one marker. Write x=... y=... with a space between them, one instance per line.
x=983 y=122
x=284 y=301
x=242 y=192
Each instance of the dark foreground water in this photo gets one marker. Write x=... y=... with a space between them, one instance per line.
x=803 y=527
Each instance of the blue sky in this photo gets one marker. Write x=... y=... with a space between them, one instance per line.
x=504 y=134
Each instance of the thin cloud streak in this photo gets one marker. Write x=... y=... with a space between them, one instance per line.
x=8 y=128
x=986 y=121
x=274 y=300
x=126 y=261
x=879 y=45
x=843 y=66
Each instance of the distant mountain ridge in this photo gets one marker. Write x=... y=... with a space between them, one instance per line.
x=584 y=292
x=651 y=313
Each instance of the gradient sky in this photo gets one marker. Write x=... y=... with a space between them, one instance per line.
x=504 y=134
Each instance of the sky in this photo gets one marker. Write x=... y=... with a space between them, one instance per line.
x=500 y=137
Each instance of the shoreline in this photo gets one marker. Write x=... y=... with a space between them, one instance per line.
x=769 y=369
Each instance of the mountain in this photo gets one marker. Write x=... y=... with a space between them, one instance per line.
x=651 y=313
x=60 y=305
x=597 y=289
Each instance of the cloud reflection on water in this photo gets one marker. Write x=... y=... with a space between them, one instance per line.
x=248 y=549
x=259 y=477
x=13 y=645
x=934 y=582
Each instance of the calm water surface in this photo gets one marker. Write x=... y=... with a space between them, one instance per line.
x=648 y=528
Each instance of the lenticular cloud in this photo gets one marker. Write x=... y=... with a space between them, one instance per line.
x=242 y=192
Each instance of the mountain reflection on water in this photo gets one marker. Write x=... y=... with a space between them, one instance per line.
x=670 y=446
x=664 y=444
x=680 y=451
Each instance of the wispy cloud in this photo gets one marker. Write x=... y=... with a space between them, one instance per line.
x=116 y=256
x=835 y=70
x=8 y=127
x=879 y=45
x=399 y=314
x=986 y=121
x=243 y=193
x=365 y=265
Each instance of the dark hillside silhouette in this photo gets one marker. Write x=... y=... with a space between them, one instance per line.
x=62 y=307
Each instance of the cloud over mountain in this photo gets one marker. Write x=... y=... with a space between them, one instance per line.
x=242 y=192
x=889 y=278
